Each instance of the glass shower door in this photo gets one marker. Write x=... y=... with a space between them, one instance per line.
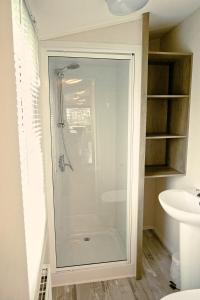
x=89 y=122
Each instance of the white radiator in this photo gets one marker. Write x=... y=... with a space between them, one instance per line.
x=45 y=292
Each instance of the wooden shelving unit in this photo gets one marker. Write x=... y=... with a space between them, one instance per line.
x=169 y=77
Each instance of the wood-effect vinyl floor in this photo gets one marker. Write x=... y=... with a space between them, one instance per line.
x=153 y=286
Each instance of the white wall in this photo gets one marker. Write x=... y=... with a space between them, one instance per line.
x=185 y=37
x=13 y=268
x=126 y=33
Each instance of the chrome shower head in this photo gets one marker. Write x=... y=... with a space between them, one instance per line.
x=73 y=66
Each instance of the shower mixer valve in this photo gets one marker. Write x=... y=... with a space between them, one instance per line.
x=62 y=164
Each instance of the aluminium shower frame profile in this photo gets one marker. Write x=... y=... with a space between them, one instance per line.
x=110 y=270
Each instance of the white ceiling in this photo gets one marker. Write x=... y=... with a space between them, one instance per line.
x=61 y=17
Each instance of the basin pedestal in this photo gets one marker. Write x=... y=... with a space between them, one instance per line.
x=189 y=256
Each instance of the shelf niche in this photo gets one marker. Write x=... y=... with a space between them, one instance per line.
x=164 y=155
x=167 y=113
x=167 y=117
x=169 y=74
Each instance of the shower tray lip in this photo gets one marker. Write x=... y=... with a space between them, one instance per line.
x=91 y=264
x=94 y=272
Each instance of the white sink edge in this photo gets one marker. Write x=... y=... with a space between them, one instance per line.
x=177 y=213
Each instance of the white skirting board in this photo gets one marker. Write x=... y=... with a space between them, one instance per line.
x=158 y=236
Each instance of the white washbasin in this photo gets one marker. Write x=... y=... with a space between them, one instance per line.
x=186 y=295
x=181 y=205
x=184 y=207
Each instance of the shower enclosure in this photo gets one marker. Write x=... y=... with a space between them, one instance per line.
x=90 y=115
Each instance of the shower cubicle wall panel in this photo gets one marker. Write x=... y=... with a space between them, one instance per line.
x=89 y=124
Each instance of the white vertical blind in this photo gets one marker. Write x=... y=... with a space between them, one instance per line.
x=30 y=134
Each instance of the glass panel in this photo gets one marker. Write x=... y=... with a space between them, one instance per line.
x=89 y=121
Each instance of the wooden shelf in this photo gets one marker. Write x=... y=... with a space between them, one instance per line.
x=167 y=56
x=161 y=171
x=156 y=136
x=168 y=96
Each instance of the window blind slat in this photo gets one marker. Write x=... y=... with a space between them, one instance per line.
x=30 y=133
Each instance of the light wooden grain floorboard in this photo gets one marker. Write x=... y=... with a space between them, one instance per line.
x=153 y=286
x=64 y=293
x=107 y=290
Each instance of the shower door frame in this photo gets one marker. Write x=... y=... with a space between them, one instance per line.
x=109 y=270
